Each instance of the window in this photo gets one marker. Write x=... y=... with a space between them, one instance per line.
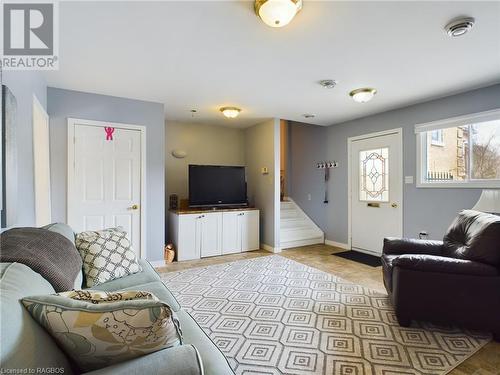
x=460 y=152
x=374 y=175
x=437 y=137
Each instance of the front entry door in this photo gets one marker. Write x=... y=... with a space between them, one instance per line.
x=104 y=189
x=376 y=191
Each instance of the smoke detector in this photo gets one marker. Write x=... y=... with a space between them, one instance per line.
x=328 y=83
x=459 y=26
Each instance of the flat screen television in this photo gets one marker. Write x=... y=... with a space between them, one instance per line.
x=216 y=185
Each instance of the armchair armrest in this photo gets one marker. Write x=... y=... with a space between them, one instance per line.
x=431 y=263
x=397 y=246
x=178 y=360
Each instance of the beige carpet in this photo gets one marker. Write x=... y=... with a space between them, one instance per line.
x=272 y=315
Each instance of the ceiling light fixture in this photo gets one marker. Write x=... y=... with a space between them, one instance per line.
x=328 y=83
x=277 y=13
x=363 y=95
x=459 y=26
x=230 y=112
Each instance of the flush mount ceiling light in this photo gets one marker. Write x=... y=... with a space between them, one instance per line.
x=277 y=13
x=363 y=95
x=328 y=83
x=230 y=112
x=459 y=26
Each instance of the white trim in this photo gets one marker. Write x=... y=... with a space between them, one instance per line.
x=41 y=218
x=350 y=140
x=270 y=248
x=300 y=243
x=340 y=245
x=277 y=183
x=366 y=252
x=72 y=122
x=421 y=146
x=494 y=114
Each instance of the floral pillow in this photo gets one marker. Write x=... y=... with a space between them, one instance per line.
x=97 y=329
x=107 y=255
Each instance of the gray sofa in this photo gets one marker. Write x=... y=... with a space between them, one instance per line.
x=26 y=345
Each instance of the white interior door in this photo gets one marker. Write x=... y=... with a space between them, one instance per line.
x=104 y=189
x=41 y=164
x=376 y=191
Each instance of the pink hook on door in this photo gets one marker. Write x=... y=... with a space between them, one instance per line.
x=109 y=133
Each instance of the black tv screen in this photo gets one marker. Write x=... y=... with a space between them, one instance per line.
x=213 y=185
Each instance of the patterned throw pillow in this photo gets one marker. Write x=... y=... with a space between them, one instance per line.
x=97 y=329
x=107 y=255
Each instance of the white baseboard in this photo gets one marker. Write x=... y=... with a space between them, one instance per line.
x=270 y=248
x=337 y=244
x=300 y=243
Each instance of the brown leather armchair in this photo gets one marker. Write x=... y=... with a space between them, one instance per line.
x=454 y=281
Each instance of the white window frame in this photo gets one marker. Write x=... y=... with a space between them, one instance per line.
x=440 y=140
x=421 y=134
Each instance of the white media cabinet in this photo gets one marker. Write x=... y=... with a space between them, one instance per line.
x=207 y=233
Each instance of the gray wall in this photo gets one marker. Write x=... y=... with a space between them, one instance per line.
x=65 y=103
x=204 y=144
x=307 y=146
x=424 y=209
x=25 y=84
x=262 y=150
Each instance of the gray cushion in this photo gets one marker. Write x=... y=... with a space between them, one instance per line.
x=49 y=253
x=67 y=232
x=147 y=275
x=179 y=360
x=25 y=344
x=160 y=291
x=214 y=362
x=63 y=229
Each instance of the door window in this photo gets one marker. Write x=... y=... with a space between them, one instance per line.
x=374 y=175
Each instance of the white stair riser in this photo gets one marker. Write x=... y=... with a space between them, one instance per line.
x=292 y=244
x=299 y=235
x=289 y=214
x=296 y=229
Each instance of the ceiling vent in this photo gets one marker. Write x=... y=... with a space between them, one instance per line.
x=459 y=26
x=328 y=83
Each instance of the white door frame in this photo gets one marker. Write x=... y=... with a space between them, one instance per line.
x=43 y=215
x=72 y=122
x=350 y=140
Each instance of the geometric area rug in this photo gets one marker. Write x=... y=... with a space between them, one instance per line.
x=272 y=315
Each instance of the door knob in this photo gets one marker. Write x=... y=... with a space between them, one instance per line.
x=134 y=207
x=394 y=205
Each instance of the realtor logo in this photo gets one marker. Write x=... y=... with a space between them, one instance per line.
x=29 y=36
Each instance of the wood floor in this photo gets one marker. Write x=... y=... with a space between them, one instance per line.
x=484 y=362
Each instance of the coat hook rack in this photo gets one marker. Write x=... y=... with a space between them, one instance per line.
x=327 y=165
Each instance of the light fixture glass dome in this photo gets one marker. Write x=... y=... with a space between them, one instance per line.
x=277 y=13
x=362 y=95
x=230 y=112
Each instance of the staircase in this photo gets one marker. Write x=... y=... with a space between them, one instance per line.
x=296 y=228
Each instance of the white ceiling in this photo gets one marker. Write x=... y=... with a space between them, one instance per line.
x=206 y=54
